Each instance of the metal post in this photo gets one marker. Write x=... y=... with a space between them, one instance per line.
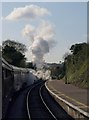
x=65 y=71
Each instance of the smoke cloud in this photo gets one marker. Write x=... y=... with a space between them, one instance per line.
x=27 y=12
x=42 y=38
x=29 y=31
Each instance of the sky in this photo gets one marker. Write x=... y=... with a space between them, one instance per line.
x=66 y=21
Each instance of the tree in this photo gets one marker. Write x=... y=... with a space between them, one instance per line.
x=18 y=46
x=76 y=48
x=66 y=55
x=14 y=52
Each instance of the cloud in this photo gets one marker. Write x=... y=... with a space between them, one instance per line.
x=27 y=12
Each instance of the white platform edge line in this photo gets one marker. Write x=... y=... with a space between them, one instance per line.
x=69 y=104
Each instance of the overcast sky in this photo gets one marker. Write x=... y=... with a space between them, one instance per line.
x=67 y=25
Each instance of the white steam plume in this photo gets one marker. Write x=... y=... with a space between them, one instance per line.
x=39 y=48
x=29 y=31
x=46 y=31
x=42 y=39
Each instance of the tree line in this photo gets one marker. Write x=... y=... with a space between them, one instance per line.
x=75 y=68
x=14 y=53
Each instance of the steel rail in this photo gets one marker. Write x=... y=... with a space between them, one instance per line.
x=27 y=102
x=40 y=92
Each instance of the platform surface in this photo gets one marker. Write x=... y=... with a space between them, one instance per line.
x=77 y=96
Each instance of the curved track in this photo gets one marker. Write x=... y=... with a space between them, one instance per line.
x=42 y=106
x=36 y=106
x=35 y=103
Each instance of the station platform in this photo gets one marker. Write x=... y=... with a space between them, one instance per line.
x=73 y=96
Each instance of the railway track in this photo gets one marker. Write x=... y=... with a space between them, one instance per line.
x=41 y=105
x=36 y=106
x=35 y=103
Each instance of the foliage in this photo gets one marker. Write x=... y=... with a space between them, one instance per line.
x=57 y=72
x=77 y=65
x=16 y=45
x=76 y=48
x=14 y=53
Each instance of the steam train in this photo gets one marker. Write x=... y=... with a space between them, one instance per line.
x=14 y=77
